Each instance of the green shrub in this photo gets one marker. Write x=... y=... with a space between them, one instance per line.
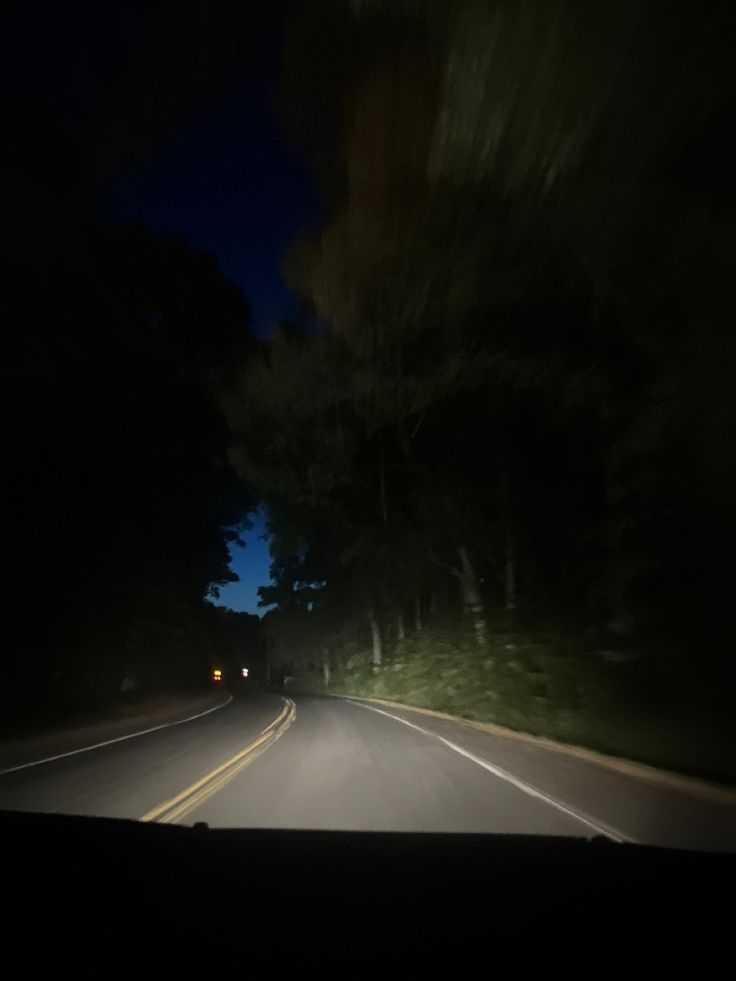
x=551 y=684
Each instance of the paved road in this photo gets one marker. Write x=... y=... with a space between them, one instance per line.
x=309 y=762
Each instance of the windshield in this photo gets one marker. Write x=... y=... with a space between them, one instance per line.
x=371 y=431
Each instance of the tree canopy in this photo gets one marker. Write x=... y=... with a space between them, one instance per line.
x=520 y=384
x=120 y=495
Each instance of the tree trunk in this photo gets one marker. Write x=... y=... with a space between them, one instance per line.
x=433 y=604
x=326 y=672
x=377 y=653
x=418 y=612
x=471 y=595
x=400 y=632
x=510 y=572
x=384 y=504
x=510 y=568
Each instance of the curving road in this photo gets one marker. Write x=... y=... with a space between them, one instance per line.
x=328 y=763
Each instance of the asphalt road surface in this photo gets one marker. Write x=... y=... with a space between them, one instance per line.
x=307 y=762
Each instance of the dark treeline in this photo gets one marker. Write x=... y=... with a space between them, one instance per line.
x=519 y=407
x=118 y=489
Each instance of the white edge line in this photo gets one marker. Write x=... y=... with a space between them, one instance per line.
x=503 y=774
x=118 y=739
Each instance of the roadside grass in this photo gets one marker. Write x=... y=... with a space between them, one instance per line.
x=548 y=684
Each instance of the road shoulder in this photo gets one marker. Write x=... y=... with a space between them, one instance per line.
x=631 y=768
x=154 y=713
x=638 y=803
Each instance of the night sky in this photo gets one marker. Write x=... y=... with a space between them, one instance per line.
x=231 y=186
x=251 y=564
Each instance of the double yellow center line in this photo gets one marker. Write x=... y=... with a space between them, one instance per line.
x=178 y=807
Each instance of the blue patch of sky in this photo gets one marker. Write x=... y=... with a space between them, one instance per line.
x=251 y=562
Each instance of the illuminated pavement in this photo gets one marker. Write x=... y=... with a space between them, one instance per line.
x=309 y=762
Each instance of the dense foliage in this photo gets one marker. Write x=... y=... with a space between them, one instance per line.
x=514 y=404
x=119 y=495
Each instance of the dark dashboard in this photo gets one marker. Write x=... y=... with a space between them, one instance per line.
x=283 y=885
